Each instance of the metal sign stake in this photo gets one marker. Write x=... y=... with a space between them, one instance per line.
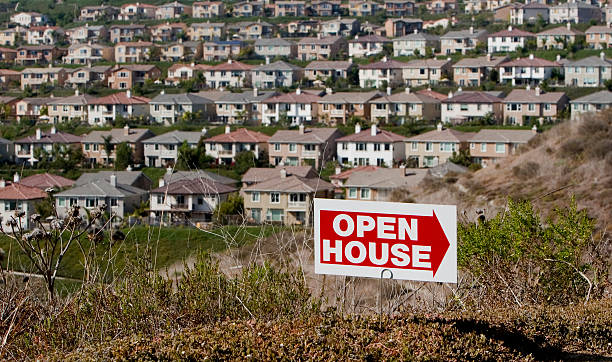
x=380 y=292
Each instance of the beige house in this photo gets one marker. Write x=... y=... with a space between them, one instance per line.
x=226 y=146
x=303 y=147
x=137 y=11
x=276 y=75
x=16 y=197
x=251 y=30
x=599 y=36
x=367 y=45
x=248 y=8
x=372 y=183
x=173 y=10
x=35 y=77
x=462 y=41
x=181 y=50
x=9 y=78
x=523 y=105
x=208 y=9
x=588 y=72
x=338 y=108
x=471 y=72
x=89 y=53
x=30 y=108
x=44 y=35
x=286 y=199
x=415 y=44
x=230 y=74
x=489 y=146
x=125 y=77
x=86 y=76
x=87 y=33
x=290 y=8
x=592 y=103
x=359 y=8
x=404 y=106
x=558 y=38
x=469 y=106
x=26 y=148
x=426 y=71
x=319 y=71
x=7 y=37
x=126 y=32
x=238 y=108
x=69 y=108
x=434 y=148
x=133 y=52
x=402 y=26
x=93 y=144
x=206 y=31
x=385 y=72
x=321 y=48
x=180 y=72
x=167 y=32
x=219 y=50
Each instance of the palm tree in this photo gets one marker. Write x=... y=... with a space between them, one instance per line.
x=108 y=146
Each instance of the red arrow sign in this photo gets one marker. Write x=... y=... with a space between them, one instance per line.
x=368 y=239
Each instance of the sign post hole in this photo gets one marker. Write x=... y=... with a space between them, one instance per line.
x=363 y=238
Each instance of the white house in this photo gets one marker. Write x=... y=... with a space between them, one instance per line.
x=299 y=108
x=29 y=19
x=526 y=70
x=163 y=150
x=226 y=146
x=105 y=110
x=469 y=106
x=371 y=147
x=508 y=40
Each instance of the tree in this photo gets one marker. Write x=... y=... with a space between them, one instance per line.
x=243 y=161
x=108 y=147
x=462 y=158
x=234 y=205
x=123 y=156
x=187 y=157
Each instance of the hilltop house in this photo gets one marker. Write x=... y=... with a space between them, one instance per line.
x=404 y=106
x=230 y=74
x=163 y=150
x=523 y=105
x=592 y=103
x=370 y=147
x=339 y=108
x=588 y=72
x=435 y=147
x=226 y=146
x=297 y=108
x=488 y=146
x=306 y=146
x=106 y=110
x=26 y=148
x=468 y=106
x=171 y=108
x=17 y=197
x=471 y=72
x=94 y=144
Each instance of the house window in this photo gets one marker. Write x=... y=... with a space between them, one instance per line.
x=274 y=197
x=90 y=202
x=361 y=146
x=10 y=205
x=472 y=145
x=295 y=198
x=114 y=202
x=483 y=147
x=292 y=147
x=277 y=147
x=255 y=197
x=344 y=146
x=415 y=146
x=365 y=193
x=61 y=201
x=352 y=194
x=180 y=199
x=377 y=147
x=447 y=146
x=428 y=146
x=161 y=199
x=500 y=148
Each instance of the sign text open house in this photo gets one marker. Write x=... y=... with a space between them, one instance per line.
x=416 y=242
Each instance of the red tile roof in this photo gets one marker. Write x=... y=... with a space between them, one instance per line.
x=389 y=64
x=433 y=94
x=44 y=181
x=303 y=97
x=234 y=65
x=241 y=135
x=48 y=137
x=473 y=97
x=121 y=98
x=16 y=191
x=136 y=43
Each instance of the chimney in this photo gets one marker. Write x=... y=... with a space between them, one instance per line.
x=569 y=26
x=531 y=56
x=328 y=91
x=319 y=36
x=113 y=180
x=16 y=178
x=301 y=129
x=488 y=57
x=227 y=129
x=357 y=127
x=2 y=183
x=163 y=91
x=528 y=87
x=126 y=130
x=602 y=55
x=450 y=94
x=267 y=60
x=229 y=61
x=534 y=129
x=388 y=91
x=338 y=170
x=416 y=31
x=255 y=92
x=439 y=126
x=298 y=91
x=407 y=90
x=471 y=30
x=50 y=65
x=129 y=168
x=204 y=130
x=38 y=134
x=510 y=28
x=373 y=130
x=192 y=64
x=168 y=170
x=53 y=130
x=459 y=90
x=356 y=37
x=384 y=59
x=350 y=60
x=128 y=93
x=537 y=91
x=162 y=183
x=558 y=58
x=283 y=173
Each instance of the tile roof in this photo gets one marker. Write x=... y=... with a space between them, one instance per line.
x=325 y=40
x=350 y=97
x=366 y=136
x=50 y=137
x=503 y=135
x=593 y=61
x=560 y=30
x=175 y=137
x=241 y=98
x=601 y=97
x=345 y=174
x=102 y=188
x=473 y=97
x=370 y=39
x=303 y=97
x=241 y=135
x=273 y=42
x=484 y=61
x=37 y=100
x=196 y=186
x=384 y=64
x=278 y=65
x=512 y=32
x=328 y=65
x=118 y=135
x=418 y=36
x=529 y=62
x=310 y=136
x=432 y=94
x=599 y=29
x=385 y=178
x=121 y=98
x=136 y=67
x=445 y=135
x=232 y=65
x=461 y=34
x=403 y=97
x=426 y=63
x=529 y=96
x=181 y=98
x=9 y=72
x=81 y=99
x=135 y=43
x=199 y=174
x=17 y=191
x=259 y=174
x=123 y=177
x=46 y=180
x=291 y=184
x=43 y=70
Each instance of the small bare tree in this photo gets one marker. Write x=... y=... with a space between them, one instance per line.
x=48 y=241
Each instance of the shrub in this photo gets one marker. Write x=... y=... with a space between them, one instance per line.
x=526 y=171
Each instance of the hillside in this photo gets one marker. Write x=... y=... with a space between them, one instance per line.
x=572 y=159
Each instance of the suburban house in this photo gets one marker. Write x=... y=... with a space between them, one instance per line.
x=8 y=55
x=126 y=32
x=8 y=37
x=426 y=71
x=297 y=108
x=339 y=27
x=89 y=75
x=367 y=45
x=386 y=72
x=95 y=152
x=471 y=72
x=126 y=76
x=173 y=176
x=259 y=174
x=275 y=47
x=575 y=12
x=28 y=19
x=440 y=6
x=38 y=54
x=529 y=70
x=163 y=150
x=121 y=200
x=319 y=71
x=303 y=147
x=181 y=50
x=402 y=26
x=597 y=36
x=187 y=201
x=105 y=110
x=89 y=53
x=321 y=48
x=338 y=108
x=462 y=41
x=588 y=72
x=290 y=8
x=36 y=77
x=216 y=50
x=9 y=78
x=44 y=35
x=435 y=147
x=285 y=199
x=325 y=7
x=137 y=11
x=226 y=146
x=182 y=72
x=524 y=105
x=238 y=108
x=95 y=13
x=374 y=183
x=17 y=197
x=592 y=103
x=167 y=32
x=30 y=108
x=248 y=8
x=508 y=40
x=558 y=38
x=208 y=9
x=87 y=33
x=299 y=28
x=45 y=181
x=488 y=146
x=529 y=13
x=230 y=74
x=133 y=52
x=399 y=8
x=171 y=108
x=468 y=106
x=26 y=148
x=251 y=30
x=370 y=147
x=7 y=150
x=404 y=106
x=173 y=10
x=131 y=178
x=359 y=8
x=206 y=31
x=276 y=75
x=63 y=109
x=415 y=44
